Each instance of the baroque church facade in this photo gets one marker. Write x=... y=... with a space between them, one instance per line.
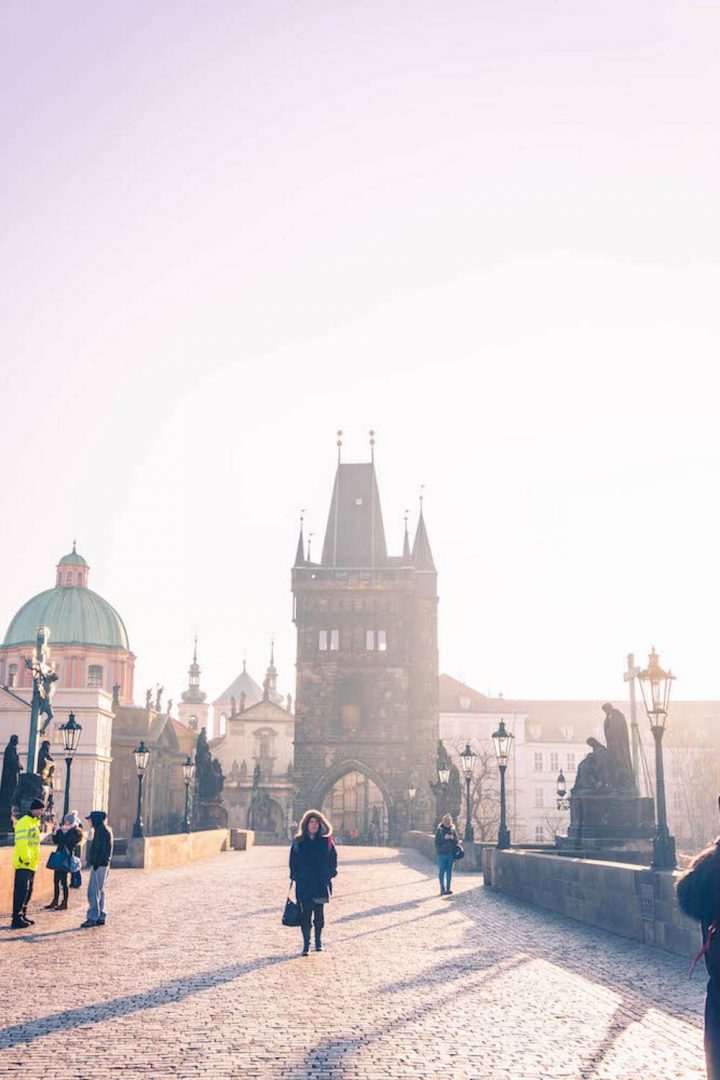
x=366 y=705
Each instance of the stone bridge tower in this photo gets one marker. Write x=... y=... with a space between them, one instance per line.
x=367 y=664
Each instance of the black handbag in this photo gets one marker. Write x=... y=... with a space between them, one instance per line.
x=291 y=914
x=458 y=852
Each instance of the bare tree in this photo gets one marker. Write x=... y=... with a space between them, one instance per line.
x=484 y=794
x=694 y=783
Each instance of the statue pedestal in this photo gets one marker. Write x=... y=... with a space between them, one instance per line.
x=619 y=828
x=211 y=814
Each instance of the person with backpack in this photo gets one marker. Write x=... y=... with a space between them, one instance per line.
x=698 y=896
x=98 y=859
x=313 y=865
x=446 y=844
x=66 y=838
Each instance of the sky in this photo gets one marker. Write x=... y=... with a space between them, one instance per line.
x=488 y=231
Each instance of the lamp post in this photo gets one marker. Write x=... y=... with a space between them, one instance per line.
x=70 y=732
x=188 y=774
x=501 y=742
x=467 y=760
x=655 y=685
x=142 y=754
x=412 y=791
x=563 y=802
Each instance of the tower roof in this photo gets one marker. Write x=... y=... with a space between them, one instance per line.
x=355 y=536
x=72 y=559
x=244 y=684
x=421 y=553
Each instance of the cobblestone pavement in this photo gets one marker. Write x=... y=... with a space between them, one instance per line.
x=194 y=976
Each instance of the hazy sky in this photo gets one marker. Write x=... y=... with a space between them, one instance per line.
x=488 y=230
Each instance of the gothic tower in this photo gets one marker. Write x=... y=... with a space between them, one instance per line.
x=366 y=708
x=193 y=708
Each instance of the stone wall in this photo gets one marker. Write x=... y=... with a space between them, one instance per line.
x=154 y=852
x=425 y=843
x=632 y=901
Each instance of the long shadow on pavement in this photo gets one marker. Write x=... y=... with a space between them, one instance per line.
x=164 y=994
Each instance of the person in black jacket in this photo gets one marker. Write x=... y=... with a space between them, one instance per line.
x=446 y=840
x=99 y=857
x=313 y=865
x=66 y=838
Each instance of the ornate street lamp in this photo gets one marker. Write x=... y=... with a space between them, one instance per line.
x=70 y=732
x=656 y=685
x=444 y=780
x=188 y=774
x=412 y=791
x=501 y=742
x=142 y=754
x=467 y=760
x=563 y=802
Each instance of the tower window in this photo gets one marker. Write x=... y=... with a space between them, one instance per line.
x=370 y=640
x=538 y=763
x=12 y=674
x=323 y=640
x=571 y=763
x=554 y=762
x=539 y=834
x=382 y=640
x=334 y=640
x=95 y=675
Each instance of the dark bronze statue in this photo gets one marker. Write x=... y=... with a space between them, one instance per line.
x=607 y=769
x=208 y=771
x=11 y=770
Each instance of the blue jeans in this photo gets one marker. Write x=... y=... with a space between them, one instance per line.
x=445 y=869
x=96 y=894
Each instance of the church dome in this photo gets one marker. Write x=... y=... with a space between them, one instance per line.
x=74 y=614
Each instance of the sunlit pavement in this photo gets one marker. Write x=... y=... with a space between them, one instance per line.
x=193 y=975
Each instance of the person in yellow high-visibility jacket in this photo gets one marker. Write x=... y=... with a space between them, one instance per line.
x=26 y=861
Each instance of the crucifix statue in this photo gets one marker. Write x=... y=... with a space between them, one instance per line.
x=44 y=678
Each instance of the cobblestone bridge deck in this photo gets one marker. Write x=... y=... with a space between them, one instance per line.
x=193 y=976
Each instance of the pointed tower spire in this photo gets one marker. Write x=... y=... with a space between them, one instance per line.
x=421 y=552
x=270 y=681
x=300 y=553
x=193 y=695
x=406 y=541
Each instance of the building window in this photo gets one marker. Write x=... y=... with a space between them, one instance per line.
x=12 y=675
x=370 y=640
x=554 y=762
x=323 y=640
x=571 y=763
x=382 y=641
x=334 y=640
x=539 y=798
x=465 y=704
x=95 y=675
x=539 y=834
x=538 y=763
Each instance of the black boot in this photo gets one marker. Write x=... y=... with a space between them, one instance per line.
x=306 y=944
x=318 y=942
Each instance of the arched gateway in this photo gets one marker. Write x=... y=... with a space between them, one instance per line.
x=366 y=715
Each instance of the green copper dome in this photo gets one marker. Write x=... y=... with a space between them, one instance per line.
x=75 y=617
x=73 y=559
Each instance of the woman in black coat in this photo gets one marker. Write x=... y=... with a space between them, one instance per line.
x=313 y=865
x=66 y=838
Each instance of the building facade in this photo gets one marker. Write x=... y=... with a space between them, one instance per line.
x=366 y=717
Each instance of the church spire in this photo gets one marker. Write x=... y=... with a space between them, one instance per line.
x=300 y=553
x=406 y=542
x=193 y=695
x=421 y=552
x=270 y=681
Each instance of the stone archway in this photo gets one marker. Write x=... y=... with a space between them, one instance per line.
x=356 y=800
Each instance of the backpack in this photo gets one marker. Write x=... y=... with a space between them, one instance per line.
x=698 y=890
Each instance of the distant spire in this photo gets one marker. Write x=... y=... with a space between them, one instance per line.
x=339 y=444
x=195 y=650
x=310 y=536
x=270 y=682
x=406 y=541
x=372 y=446
x=74 y=547
x=300 y=553
x=421 y=552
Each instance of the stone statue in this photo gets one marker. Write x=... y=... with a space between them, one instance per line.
x=158 y=698
x=217 y=778
x=233 y=706
x=257 y=776
x=169 y=706
x=618 y=744
x=11 y=770
x=46 y=768
x=115 y=695
x=148 y=699
x=243 y=770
